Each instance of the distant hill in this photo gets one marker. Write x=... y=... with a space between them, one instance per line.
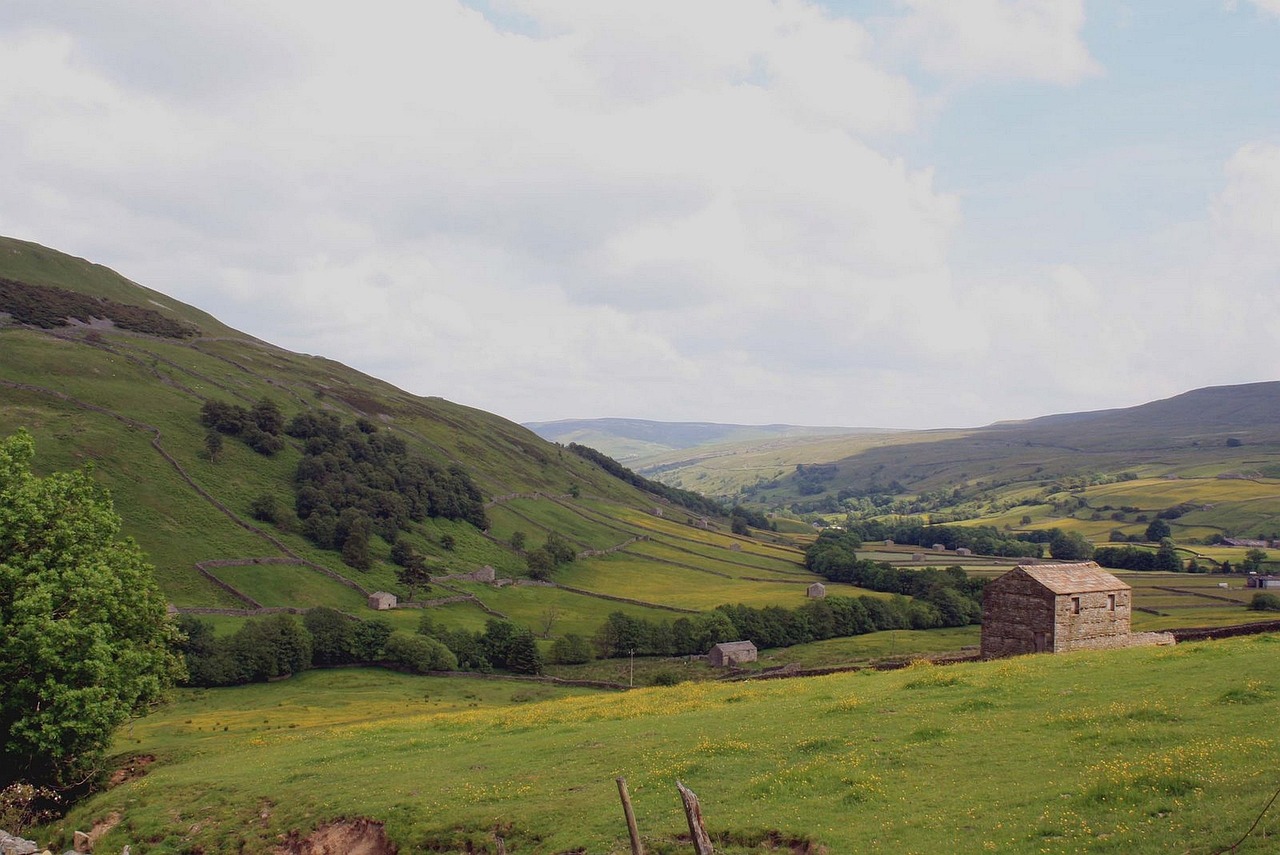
x=1198 y=450
x=639 y=440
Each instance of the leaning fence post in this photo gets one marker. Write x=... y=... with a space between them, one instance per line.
x=636 y=848
x=693 y=812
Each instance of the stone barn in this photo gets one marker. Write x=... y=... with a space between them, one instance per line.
x=1055 y=608
x=731 y=653
x=817 y=590
x=382 y=601
x=964 y=551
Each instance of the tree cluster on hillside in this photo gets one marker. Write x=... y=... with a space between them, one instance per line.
x=982 y=540
x=502 y=645
x=279 y=645
x=684 y=498
x=771 y=626
x=355 y=481
x=742 y=520
x=1164 y=559
x=48 y=307
x=86 y=642
x=259 y=427
x=555 y=552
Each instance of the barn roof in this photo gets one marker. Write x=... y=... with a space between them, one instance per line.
x=734 y=646
x=1080 y=578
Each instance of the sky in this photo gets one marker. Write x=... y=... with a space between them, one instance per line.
x=891 y=213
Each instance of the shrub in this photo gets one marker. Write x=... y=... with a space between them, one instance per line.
x=420 y=653
x=1263 y=602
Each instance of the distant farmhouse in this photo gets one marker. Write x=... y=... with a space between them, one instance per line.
x=1056 y=608
x=731 y=653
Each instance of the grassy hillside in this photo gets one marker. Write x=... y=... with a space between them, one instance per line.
x=130 y=405
x=1137 y=751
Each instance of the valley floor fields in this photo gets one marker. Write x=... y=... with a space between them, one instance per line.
x=1149 y=750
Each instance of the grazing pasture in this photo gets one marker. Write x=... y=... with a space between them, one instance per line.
x=1150 y=750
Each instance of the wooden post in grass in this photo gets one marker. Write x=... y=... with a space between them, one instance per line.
x=636 y=848
x=693 y=812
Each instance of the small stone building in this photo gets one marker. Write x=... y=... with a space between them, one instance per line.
x=917 y=557
x=1263 y=582
x=1055 y=608
x=382 y=601
x=485 y=574
x=817 y=590
x=939 y=547
x=731 y=653
x=964 y=551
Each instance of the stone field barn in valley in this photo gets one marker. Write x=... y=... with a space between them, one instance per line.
x=1054 y=608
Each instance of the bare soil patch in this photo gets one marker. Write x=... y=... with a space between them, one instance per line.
x=134 y=767
x=343 y=837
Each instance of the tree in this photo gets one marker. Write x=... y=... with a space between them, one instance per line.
x=1157 y=531
x=413 y=575
x=1253 y=560
x=331 y=633
x=1167 y=558
x=213 y=445
x=571 y=649
x=1069 y=546
x=86 y=640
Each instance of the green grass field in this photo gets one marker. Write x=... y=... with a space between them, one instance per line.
x=1150 y=750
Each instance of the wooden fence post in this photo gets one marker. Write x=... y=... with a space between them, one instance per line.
x=693 y=812
x=636 y=848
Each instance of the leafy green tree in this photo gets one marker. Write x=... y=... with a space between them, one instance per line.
x=420 y=653
x=1069 y=546
x=1158 y=530
x=265 y=508
x=560 y=549
x=86 y=642
x=274 y=646
x=523 y=656
x=213 y=445
x=518 y=539
x=369 y=639
x=266 y=415
x=571 y=649
x=413 y=575
x=331 y=635
x=1167 y=558
x=1253 y=560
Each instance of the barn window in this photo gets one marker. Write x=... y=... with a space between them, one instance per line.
x=1111 y=602
x=1075 y=605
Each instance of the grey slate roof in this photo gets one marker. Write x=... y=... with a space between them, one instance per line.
x=1080 y=578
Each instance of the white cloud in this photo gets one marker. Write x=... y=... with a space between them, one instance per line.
x=1268 y=6
x=1003 y=39
x=611 y=198
x=658 y=209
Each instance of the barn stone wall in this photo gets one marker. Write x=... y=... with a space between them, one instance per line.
x=1015 y=608
x=1097 y=626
